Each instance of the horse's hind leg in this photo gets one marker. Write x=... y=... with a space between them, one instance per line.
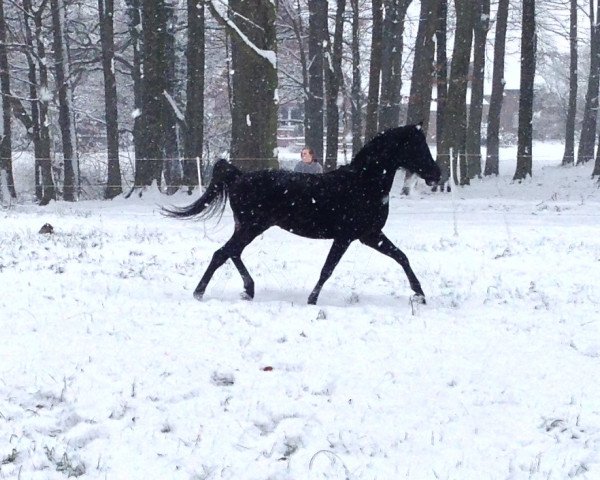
x=382 y=244
x=338 y=249
x=248 y=281
x=232 y=249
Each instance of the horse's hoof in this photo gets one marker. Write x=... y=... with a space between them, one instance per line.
x=312 y=300
x=420 y=299
x=198 y=296
x=246 y=296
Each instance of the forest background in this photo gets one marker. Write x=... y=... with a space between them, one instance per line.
x=103 y=98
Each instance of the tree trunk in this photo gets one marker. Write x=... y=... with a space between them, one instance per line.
x=419 y=102
x=35 y=112
x=134 y=27
x=596 y=171
x=333 y=80
x=528 y=51
x=391 y=65
x=194 y=108
x=371 y=127
x=253 y=83
x=585 y=151
x=65 y=110
x=45 y=189
x=46 y=173
x=569 y=155
x=149 y=166
x=113 y=182
x=443 y=151
x=493 y=132
x=356 y=88
x=171 y=164
x=455 y=115
x=7 y=182
x=481 y=26
x=313 y=109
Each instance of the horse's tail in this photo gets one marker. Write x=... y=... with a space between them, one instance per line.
x=214 y=199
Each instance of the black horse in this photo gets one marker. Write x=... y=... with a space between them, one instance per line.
x=347 y=204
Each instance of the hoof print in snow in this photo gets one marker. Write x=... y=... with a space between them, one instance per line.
x=46 y=228
x=221 y=379
x=353 y=299
x=321 y=315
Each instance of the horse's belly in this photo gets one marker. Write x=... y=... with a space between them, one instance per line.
x=332 y=227
x=309 y=229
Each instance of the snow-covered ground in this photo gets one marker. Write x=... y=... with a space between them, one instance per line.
x=109 y=369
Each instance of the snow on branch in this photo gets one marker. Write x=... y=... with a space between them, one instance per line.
x=180 y=116
x=268 y=55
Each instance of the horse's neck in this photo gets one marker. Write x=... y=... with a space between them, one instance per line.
x=379 y=177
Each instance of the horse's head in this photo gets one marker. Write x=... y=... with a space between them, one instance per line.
x=416 y=157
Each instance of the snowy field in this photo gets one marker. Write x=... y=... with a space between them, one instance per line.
x=109 y=369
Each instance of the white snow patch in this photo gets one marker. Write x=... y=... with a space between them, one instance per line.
x=127 y=376
x=45 y=94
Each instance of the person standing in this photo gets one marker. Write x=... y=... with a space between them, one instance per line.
x=308 y=162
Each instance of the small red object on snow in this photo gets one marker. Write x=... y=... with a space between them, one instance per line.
x=267 y=369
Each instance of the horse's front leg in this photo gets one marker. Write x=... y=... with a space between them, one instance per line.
x=338 y=249
x=382 y=244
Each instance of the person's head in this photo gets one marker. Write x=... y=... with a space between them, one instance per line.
x=307 y=155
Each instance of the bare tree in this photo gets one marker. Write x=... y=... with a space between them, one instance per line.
x=455 y=114
x=65 y=108
x=481 y=26
x=251 y=24
x=134 y=23
x=441 y=68
x=194 y=108
x=333 y=81
x=419 y=102
x=585 y=151
x=493 y=132
x=356 y=88
x=149 y=164
x=171 y=164
x=313 y=106
x=113 y=182
x=39 y=94
x=391 y=65
x=596 y=172
x=528 y=54
x=7 y=183
x=374 y=69
x=569 y=155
